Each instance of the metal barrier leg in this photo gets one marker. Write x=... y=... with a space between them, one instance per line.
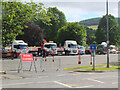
x=35 y=67
x=59 y=64
x=30 y=66
x=41 y=64
x=20 y=66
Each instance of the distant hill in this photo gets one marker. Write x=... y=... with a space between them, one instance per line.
x=91 y=22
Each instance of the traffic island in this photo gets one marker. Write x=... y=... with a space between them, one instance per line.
x=98 y=68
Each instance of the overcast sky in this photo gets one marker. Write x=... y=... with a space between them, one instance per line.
x=77 y=10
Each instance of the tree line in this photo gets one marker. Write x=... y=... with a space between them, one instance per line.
x=33 y=22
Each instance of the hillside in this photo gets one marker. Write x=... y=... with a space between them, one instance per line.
x=91 y=22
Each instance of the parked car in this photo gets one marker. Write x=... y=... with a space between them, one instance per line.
x=82 y=49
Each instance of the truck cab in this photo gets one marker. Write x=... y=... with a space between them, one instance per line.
x=19 y=46
x=70 y=47
x=51 y=48
x=14 y=50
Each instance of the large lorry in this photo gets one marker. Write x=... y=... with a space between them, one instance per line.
x=51 y=48
x=14 y=49
x=70 y=47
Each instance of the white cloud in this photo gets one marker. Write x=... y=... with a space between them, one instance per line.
x=76 y=11
x=68 y=0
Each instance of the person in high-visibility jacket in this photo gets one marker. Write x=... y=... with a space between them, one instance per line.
x=43 y=50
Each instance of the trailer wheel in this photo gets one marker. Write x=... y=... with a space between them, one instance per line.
x=14 y=55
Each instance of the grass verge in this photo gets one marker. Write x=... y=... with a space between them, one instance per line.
x=84 y=67
x=114 y=66
x=101 y=69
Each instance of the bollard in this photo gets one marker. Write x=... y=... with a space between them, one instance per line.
x=36 y=58
x=91 y=61
x=79 y=62
x=53 y=55
x=45 y=57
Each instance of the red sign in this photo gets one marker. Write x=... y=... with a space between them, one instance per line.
x=27 y=57
x=107 y=41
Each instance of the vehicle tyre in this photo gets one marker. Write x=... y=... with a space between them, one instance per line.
x=99 y=53
x=39 y=52
x=14 y=55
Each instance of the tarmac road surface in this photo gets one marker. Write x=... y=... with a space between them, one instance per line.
x=51 y=78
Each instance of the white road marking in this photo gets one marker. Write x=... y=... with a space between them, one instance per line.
x=115 y=83
x=85 y=86
x=24 y=83
x=103 y=77
x=62 y=84
x=94 y=80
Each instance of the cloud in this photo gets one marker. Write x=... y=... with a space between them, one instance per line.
x=67 y=0
x=76 y=11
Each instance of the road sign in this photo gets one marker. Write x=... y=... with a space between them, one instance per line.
x=107 y=41
x=27 y=57
x=92 y=47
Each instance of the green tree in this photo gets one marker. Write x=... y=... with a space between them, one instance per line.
x=32 y=35
x=57 y=20
x=101 y=34
x=119 y=35
x=0 y=34
x=91 y=38
x=72 y=31
x=15 y=17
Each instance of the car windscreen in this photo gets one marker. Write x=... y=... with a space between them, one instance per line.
x=53 y=46
x=82 y=48
x=50 y=46
x=73 y=46
x=47 y=46
x=21 y=46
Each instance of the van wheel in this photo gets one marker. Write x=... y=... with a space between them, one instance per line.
x=99 y=53
x=14 y=55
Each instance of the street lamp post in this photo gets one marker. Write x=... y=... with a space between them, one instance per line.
x=107 y=36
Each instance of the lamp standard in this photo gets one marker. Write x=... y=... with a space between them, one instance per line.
x=107 y=36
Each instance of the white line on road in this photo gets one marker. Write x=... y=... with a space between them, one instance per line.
x=62 y=84
x=72 y=86
x=115 y=83
x=94 y=80
x=85 y=86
